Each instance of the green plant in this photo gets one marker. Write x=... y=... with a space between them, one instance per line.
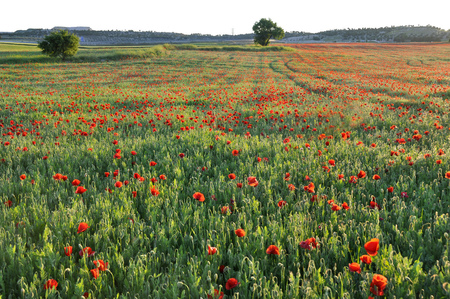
x=266 y=29
x=60 y=44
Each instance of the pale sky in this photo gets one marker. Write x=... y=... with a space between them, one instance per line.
x=220 y=17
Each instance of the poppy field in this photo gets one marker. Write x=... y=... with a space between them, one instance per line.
x=313 y=171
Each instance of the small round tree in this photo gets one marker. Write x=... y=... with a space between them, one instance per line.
x=60 y=43
x=264 y=30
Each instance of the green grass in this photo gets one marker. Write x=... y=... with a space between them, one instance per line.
x=202 y=113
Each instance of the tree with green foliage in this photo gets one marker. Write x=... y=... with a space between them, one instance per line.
x=264 y=30
x=60 y=43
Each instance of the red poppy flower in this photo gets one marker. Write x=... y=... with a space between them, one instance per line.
x=272 y=249
x=181 y=155
x=86 y=250
x=335 y=207
x=50 y=284
x=281 y=203
x=224 y=210
x=231 y=283
x=23 y=177
x=376 y=177
x=353 y=179
x=212 y=250
x=106 y=174
x=101 y=265
x=154 y=191
x=8 y=203
x=309 y=188
x=291 y=187
x=86 y=295
x=439 y=162
x=136 y=176
x=306 y=244
x=95 y=273
x=118 y=184
x=378 y=284
x=345 y=206
x=287 y=176
x=239 y=185
x=231 y=176
x=361 y=174
x=83 y=226
x=340 y=176
x=390 y=189
x=235 y=152
x=75 y=182
x=240 y=232
x=332 y=162
x=372 y=247
x=366 y=259
x=80 y=190
x=447 y=175
x=153 y=163
x=252 y=181
x=115 y=142
x=68 y=250
x=217 y=295
x=57 y=177
x=44 y=158
x=162 y=177
x=354 y=267
x=133 y=153
x=199 y=196
x=221 y=268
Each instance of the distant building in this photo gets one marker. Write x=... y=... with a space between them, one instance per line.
x=72 y=28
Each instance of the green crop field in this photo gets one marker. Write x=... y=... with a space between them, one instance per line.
x=305 y=171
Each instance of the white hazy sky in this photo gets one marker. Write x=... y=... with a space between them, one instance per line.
x=220 y=17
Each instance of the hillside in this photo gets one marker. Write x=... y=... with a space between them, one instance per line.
x=113 y=37
x=383 y=34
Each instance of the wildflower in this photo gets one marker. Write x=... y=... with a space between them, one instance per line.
x=231 y=283
x=252 y=181
x=281 y=203
x=239 y=185
x=291 y=187
x=366 y=259
x=335 y=207
x=152 y=163
x=232 y=176
x=80 y=190
x=217 y=295
x=235 y=153
x=50 y=284
x=212 y=250
x=101 y=265
x=361 y=174
x=378 y=284
x=332 y=162
x=95 y=273
x=447 y=175
x=118 y=184
x=390 y=189
x=309 y=188
x=75 y=182
x=376 y=177
x=287 y=176
x=240 y=232
x=372 y=247
x=354 y=267
x=404 y=194
x=86 y=250
x=155 y=191
x=133 y=153
x=23 y=177
x=272 y=249
x=83 y=226
x=68 y=250
x=345 y=206
x=199 y=196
